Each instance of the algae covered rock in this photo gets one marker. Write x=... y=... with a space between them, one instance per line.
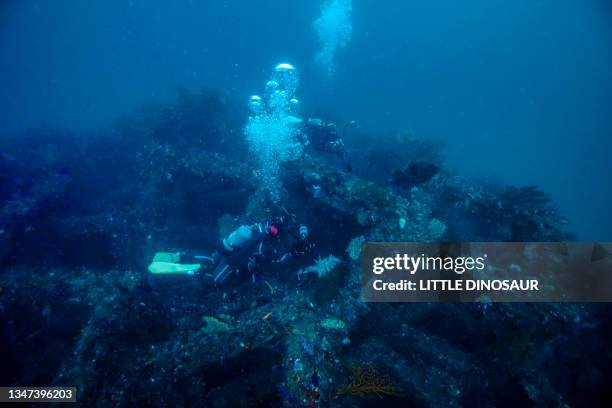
x=333 y=324
x=213 y=325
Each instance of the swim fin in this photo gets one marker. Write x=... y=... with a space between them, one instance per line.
x=173 y=268
x=168 y=263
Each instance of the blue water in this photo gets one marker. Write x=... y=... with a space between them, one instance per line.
x=519 y=90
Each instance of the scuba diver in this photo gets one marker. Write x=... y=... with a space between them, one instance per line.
x=297 y=244
x=324 y=137
x=243 y=250
x=240 y=250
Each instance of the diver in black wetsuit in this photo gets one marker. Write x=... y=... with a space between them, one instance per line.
x=248 y=247
x=324 y=137
x=242 y=250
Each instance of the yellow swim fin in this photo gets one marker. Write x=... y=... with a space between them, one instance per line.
x=168 y=263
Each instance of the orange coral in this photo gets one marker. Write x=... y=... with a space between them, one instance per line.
x=366 y=380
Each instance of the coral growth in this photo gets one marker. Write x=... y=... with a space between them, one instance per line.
x=77 y=306
x=354 y=248
x=366 y=380
x=321 y=267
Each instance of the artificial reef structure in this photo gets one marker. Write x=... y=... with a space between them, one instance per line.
x=82 y=215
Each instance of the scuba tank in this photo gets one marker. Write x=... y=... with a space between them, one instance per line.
x=239 y=254
x=238 y=237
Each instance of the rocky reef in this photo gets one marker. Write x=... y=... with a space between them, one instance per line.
x=82 y=215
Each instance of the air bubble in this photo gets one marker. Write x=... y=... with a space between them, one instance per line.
x=287 y=78
x=272 y=132
x=284 y=67
x=256 y=103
